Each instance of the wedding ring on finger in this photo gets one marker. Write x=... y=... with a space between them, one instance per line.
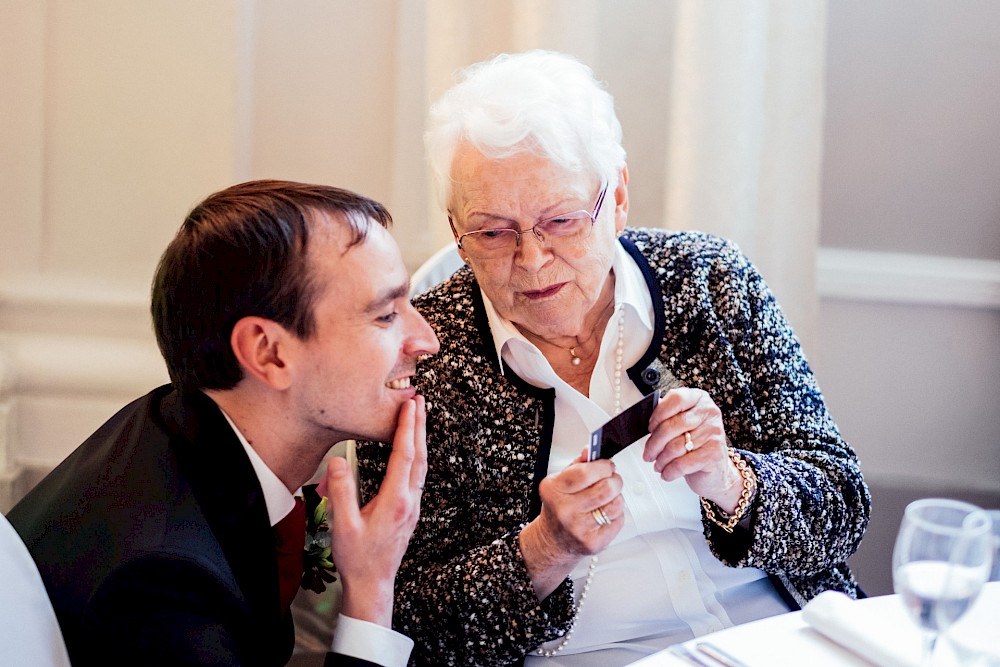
x=600 y=517
x=688 y=445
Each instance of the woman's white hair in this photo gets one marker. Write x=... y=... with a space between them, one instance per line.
x=542 y=102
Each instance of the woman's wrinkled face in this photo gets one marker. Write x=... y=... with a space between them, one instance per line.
x=545 y=288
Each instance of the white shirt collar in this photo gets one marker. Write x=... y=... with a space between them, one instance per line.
x=278 y=500
x=630 y=290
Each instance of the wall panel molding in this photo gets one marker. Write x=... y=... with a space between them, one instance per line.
x=60 y=337
x=72 y=352
x=64 y=338
x=861 y=275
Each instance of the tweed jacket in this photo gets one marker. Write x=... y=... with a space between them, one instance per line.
x=463 y=592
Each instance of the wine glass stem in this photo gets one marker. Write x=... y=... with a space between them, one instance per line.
x=930 y=641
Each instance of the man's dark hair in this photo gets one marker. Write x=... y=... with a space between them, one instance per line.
x=243 y=252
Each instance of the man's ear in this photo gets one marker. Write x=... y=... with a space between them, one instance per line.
x=262 y=347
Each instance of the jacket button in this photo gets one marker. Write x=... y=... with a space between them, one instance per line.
x=651 y=376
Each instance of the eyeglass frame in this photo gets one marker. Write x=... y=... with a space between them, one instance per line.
x=518 y=233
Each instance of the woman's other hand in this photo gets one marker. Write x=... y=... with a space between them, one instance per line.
x=687 y=439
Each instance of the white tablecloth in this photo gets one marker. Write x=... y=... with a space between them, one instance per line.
x=882 y=632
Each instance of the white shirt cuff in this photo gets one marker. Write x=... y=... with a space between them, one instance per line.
x=371 y=642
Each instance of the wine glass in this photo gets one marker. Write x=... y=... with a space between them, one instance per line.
x=995 y=519
x=973 y=638
x=939 y=564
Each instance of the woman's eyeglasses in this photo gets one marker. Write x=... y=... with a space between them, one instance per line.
x=561 y=230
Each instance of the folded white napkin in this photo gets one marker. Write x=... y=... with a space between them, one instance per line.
x=882 y=633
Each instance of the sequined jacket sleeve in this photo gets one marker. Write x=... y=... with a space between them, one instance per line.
x=463 y=593
x=726 y=334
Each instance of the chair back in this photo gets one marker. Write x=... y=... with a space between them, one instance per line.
x=29 y=631
x=438 y=266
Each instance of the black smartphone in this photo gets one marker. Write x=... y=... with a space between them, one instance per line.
x=623 y=429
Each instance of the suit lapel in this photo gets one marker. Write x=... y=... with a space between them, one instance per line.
x=223 y=480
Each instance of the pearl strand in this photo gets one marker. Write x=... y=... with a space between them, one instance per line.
x=619 y=363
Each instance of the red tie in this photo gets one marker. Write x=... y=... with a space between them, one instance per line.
x=290 y=540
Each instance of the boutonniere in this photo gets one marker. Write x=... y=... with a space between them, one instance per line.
x=317 y=565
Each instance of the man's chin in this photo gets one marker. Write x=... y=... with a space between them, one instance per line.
x=386 y=437
x=385 y=434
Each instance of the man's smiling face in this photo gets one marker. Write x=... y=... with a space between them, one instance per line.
x=353 y=372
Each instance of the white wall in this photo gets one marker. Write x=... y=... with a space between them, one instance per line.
x=910 y=311
x=910 y=352
x=117 y=118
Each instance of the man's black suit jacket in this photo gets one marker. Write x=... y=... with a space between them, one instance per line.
x=154 y=543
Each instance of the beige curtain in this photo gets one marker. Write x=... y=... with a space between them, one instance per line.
x=739 y=95
x=745 y=137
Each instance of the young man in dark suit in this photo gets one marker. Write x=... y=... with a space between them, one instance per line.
x=281 y=311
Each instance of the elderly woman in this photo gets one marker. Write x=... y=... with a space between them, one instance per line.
x=743 y=502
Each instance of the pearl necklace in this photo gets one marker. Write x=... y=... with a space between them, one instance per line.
x=619 y=363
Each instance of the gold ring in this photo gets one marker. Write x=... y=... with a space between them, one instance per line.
x=600 y=517
x=688 y=445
